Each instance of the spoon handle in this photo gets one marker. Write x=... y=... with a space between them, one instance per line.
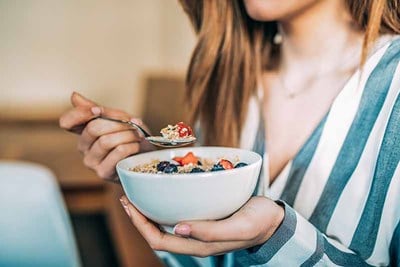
x=143 y=131
x=79 y=128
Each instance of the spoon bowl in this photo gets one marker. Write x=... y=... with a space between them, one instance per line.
x=165 y=142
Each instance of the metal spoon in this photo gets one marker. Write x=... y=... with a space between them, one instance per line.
x=155 y=140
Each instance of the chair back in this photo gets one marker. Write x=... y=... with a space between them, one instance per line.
x=35 y=229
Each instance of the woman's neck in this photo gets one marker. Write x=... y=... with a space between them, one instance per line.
x=322 y=36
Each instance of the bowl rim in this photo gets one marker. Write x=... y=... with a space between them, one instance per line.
x=185 y=175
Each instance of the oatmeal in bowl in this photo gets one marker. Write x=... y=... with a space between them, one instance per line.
x=195 y=183
x=189 y=163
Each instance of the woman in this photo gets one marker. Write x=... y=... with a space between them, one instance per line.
x=323 y=76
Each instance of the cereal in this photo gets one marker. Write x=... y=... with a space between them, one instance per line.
x=187 y=164
x=177 y=131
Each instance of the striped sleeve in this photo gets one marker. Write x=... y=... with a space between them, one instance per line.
x=395 y=248
x=298 y=243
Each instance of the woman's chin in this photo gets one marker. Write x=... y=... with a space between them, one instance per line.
x=275 y=10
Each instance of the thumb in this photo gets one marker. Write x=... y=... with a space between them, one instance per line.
x=231 y=229
x=243 y=225
x=79 y=100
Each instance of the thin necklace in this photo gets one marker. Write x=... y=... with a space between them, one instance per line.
x=290 y=93
x=311 y=80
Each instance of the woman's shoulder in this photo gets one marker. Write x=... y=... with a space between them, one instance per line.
x=380 y=83
x=383 y=65
x=393 y=63
x=386 y=40
x=391 y=79
x=395 y=45
x=389 y=68
x=385 y=49
x=392 y=48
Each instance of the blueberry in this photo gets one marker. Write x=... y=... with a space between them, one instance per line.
x=171 y=168
x=196 y=170
x=217 y=167
x=240 y=164
x=161 y=166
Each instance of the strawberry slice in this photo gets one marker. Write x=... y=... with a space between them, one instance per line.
x=184 y=130
x=226 y=164
x=179 y=160
x=189 y=158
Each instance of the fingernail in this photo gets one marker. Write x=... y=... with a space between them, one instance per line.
x=96 y=110
x=76 y=94
x=137 y=121
x=182 y=229
x=123 y=201
x=125 y=206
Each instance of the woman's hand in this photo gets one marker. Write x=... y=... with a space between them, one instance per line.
x=102 y=143
x=252 y=225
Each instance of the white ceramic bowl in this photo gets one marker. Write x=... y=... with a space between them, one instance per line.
x=171 y=198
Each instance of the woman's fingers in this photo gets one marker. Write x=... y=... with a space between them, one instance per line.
x=76 y=116
x=105 y=143
x=167 y=242
x=249 y=223
x=98 y=128
x=235 y=228
x=80 y=114
x=106 y=169
x=79 y=100
x=144 y=225
x=102 y=142
x=84 y=110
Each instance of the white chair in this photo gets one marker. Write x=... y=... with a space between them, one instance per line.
x=35 y=229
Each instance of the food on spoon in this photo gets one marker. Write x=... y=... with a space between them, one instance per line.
x=184 y=130
x=188 y=163
x=177 y=131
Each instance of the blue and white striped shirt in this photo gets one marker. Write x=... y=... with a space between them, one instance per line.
x=341 y=192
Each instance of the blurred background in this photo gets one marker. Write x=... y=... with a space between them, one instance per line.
x=128 y=54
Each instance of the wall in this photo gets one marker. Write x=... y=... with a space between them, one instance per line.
x=102 y=48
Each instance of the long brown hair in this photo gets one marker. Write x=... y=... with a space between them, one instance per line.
x=233 y=50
